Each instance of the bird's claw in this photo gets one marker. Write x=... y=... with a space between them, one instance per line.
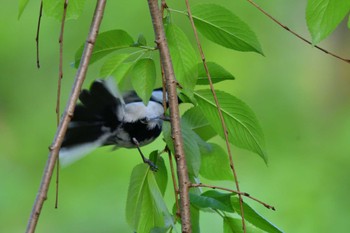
x=152 y=166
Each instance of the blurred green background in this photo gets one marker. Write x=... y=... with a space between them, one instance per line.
x=300 y=95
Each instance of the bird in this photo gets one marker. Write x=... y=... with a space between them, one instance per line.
x=105 y=117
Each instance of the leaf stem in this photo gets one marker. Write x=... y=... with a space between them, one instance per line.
x=233 y=191
x=224 y=128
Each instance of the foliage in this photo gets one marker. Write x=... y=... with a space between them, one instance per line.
x=128 y=61
x=323 y=16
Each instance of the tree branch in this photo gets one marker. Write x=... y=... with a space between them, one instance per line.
x=171 y=84
x=296 y=34
x=68 y=113
x=233 y=191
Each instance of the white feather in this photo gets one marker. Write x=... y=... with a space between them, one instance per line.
x=70 y=155
x=137 y=110
x=112 y=87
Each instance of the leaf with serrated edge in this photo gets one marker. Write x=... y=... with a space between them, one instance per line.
x=154 y=212
x=198 y=123
x=323 y=16
x=221 y=26
x=234 y=225
x=143 y=78
x=253 y=217
x=195 y=219
x=112 y=64
x=161 y=175
x=183 y=56
x=193 y=158
x=54 y=8
x=217 y=158
x=217 y=74
x=203 y=202
x=106 y=43
x=242 y=125
x=145 y=208
x=135 y=192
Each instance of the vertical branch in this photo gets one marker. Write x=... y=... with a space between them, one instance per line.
x=37 y=35
x=219 y=111
x=68 y=113
x=60 y=66
x=176 y=190
x=171 y=84
x=60 y=76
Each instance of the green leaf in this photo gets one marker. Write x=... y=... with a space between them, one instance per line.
x=349 y=22
x=161 y=216
x=195 y=219
x=54 y=8
x=242 y=125
x=143 y=78
x=113 y=64
x=183 y=56
x=217 y=74
x=198 y=123
x=223 y=198
x=203 y=202
x=215 y=164
x=323 y=16
x=141 y=40
x=106 y=43
x=221 y=26
x=145 y=208
x=234 y=225
x=119 y=66
x=190 y=140
x=21 y=6
x=253 y=217
x=161 y=175
x=136 y=192
x=160 y=230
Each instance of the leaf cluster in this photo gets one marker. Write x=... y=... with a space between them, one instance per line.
x=132 y=64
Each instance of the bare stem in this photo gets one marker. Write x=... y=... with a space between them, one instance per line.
x=60 y=66
x=233 y=191
x=68 y=113
x=219 y=111
x=60 y=76
x=176 y=189
x=296 y=34
x=37 y=35
x=171 y=84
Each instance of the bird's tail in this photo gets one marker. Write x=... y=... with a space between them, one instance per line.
x=93 y=122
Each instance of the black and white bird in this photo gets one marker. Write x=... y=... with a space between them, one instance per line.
x=105 y=117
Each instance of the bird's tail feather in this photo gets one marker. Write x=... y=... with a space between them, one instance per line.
x=93 y=121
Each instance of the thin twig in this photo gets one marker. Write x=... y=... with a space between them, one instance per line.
x=296 y=34
x=219 y=111
x=176 y=189
x=234 y=191
x=37 y=34
x=67 y=115
x=60 y=76
x=171 y=82
x=60 y=66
